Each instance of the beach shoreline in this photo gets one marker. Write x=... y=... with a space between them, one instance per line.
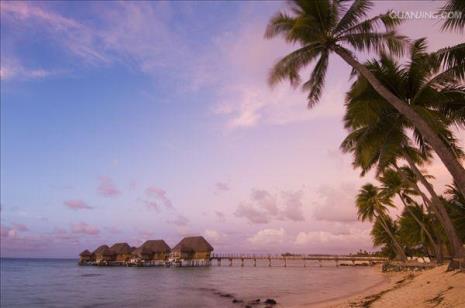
x=430 y=288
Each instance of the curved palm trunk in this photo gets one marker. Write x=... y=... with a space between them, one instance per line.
x=445 y=154
x=399 y=249
x=437 y=249
x=455 y=242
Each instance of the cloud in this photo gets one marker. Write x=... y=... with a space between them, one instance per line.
x=264 y=207
x=83 y=228
x=220 y=216
x=107 y=188
x=221 y=186
x=293 y=206
x=268 y=236
x=138 y=35
x=252 y=214
x=337 y=203
x=13 y=231
x=179 y=221
x=244 y=99
x=214 y=236
x=353 y=237
x=159 y=195
x=79 y=39
x=77 y=205
x=12 y=69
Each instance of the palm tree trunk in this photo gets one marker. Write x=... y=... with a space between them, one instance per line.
x=437 y=249
x=455 y=242
x=445 y=154
x=399 y=249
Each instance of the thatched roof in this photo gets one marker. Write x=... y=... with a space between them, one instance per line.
x=100 y=249
x=85 y=253
x=193 y=244
x=107 y=252
x=121 y=248
x=152 y=246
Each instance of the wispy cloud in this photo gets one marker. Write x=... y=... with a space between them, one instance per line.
x=179 y=220
x=222 y=186
x=337 y=203
x=77 y=38
x=84 y=228
x=158 y=195
x=268 y=237
x=264 y=207
x=77 y=205
x=12 y=69
x=107 y=188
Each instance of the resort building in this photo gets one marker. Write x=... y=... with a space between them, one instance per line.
x=85 y=257
x=152 y=252
x=104 y=254
x=122 y=252
x=192 y=251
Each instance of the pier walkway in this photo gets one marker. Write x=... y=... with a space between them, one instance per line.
x=283 y=260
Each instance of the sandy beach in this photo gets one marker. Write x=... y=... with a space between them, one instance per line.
x=430 y=288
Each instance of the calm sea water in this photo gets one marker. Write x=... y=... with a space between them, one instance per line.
x=62 y=283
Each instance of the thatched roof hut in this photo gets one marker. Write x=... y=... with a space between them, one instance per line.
x=104 y=253
x=85 y=254
x=122 y=251
x=100 y=249
x=121 y=248
x=193 y=244
x=152 y=246
x=153 y=249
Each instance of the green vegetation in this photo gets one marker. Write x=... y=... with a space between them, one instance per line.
x=399 y=113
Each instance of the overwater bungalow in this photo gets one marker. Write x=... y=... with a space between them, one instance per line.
x=86 y=257
x=152 y=252
x=192 y=251
x=104 y=254
x=122 y=252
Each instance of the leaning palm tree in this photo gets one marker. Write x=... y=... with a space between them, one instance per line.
x=393 y=184
x=323 y=27
x=382 y=238
x=372 y=205
x=380 y=135
x=410 y=233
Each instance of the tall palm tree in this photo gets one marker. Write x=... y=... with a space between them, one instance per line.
x=382 y=238
x=372 y=205
x=410 y=233
x=393 y=184
x=380 y=134
x=323 y=27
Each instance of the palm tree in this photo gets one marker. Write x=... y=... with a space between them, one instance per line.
x=458 y=21
x=382 y=238
x=393 y=184
x=372 y=205
x=380 y=134
x=456 y=207
x=327 y=26
x=410 y=233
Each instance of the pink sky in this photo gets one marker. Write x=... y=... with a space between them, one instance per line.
x=252 y=171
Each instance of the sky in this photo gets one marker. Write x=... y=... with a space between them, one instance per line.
x=129 y=121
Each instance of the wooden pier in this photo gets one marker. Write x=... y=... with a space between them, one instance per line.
x=285 y=260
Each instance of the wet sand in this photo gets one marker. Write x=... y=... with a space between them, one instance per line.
x=430 y=288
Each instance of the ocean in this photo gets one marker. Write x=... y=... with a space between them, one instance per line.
x=62 y=283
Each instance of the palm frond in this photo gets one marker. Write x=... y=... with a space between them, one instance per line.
x=316 y=82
